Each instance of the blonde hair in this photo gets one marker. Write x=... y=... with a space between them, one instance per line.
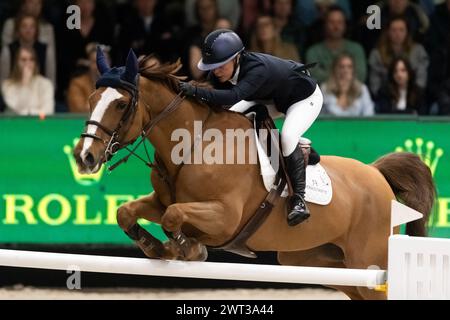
x=332 y=83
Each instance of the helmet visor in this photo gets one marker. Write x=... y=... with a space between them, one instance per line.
x=208 y=67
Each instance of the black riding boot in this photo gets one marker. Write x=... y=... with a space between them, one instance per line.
x=297 y=210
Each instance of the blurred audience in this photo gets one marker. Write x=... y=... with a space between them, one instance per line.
x=30 y=8
x=344 y=94
x=96 y=26
x=394 y=42
x=334 y=44
x=416 y=18
x=26 y=35
x=333 y=33
x=252 y=9
x=25 y=91
x=309 y=12
x=291 y=30
x=267 y=40
x=195 y=51
x=81 y=86
x=145 y=31
x=401 y=94
x=229 y=9
x=207 y=12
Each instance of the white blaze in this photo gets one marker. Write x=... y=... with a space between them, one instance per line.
x=107 y=97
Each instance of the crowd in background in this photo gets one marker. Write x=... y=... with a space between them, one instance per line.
x=403 y=67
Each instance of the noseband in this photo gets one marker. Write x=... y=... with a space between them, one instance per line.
x=113 y=145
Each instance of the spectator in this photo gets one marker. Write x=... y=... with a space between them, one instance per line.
x=145 y=31
x=26 y=31
x=251 y=10
x=195 y=51
x=344 y=94
x=394 y=42
x=207 y=12
x=334 y=44
x=309 y=12
x=95 y=27
x=416 y=18
x=267 y=40
x=229 y=9
x=83 y=85
x=291 y=31
x=26 y=92
x=401 y=94
x=30 y=8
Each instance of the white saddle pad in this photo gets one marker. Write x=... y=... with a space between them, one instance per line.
x=318 y=184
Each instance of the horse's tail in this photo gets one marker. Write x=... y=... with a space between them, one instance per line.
x=412 y=182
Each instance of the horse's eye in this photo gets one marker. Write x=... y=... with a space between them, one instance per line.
x=121 y=105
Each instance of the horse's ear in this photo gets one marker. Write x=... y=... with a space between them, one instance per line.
x=102 y=64
x=132 y=68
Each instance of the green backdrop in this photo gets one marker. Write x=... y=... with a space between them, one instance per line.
x=43 y=200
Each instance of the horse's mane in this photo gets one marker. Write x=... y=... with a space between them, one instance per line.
x=167 y=75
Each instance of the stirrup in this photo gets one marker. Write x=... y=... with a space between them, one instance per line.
x=295 y=214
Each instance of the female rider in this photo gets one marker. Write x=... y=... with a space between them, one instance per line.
x=240 y=78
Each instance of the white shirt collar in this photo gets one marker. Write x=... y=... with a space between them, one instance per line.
x=235 y=78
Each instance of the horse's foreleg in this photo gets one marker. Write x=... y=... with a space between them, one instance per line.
x=209 y=217
x=151 y=209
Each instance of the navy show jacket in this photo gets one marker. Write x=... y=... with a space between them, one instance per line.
x=262 y=77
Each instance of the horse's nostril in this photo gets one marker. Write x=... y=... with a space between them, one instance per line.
x=89 y=160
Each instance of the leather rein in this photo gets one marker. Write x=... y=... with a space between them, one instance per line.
x=113 y=145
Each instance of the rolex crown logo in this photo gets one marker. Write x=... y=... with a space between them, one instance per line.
x=428 y=152
x=82 y=179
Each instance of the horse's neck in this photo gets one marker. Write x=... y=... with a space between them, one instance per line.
x=182 y=118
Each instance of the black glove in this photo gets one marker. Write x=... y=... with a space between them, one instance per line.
x=188 y=89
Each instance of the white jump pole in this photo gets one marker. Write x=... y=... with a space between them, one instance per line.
x=202 y=270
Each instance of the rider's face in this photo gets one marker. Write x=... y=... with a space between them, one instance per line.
x=225 y=72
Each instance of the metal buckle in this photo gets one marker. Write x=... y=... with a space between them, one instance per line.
x=113 y=147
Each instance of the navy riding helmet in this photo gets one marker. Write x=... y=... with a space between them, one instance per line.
x=220 y=47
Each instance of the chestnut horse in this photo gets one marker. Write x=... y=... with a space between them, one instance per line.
x=214 y=201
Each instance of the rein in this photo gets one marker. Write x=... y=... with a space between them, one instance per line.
x=171 y=107
x=113 y=145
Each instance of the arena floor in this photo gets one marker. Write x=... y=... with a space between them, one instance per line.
x=30 y=293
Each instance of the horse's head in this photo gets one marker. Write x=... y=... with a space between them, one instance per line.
x=115 y=117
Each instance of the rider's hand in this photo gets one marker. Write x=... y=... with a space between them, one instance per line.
x=188 y=89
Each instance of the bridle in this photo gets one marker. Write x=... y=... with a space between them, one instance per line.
x=113 y=145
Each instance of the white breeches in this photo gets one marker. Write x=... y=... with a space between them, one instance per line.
x=299 y=117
